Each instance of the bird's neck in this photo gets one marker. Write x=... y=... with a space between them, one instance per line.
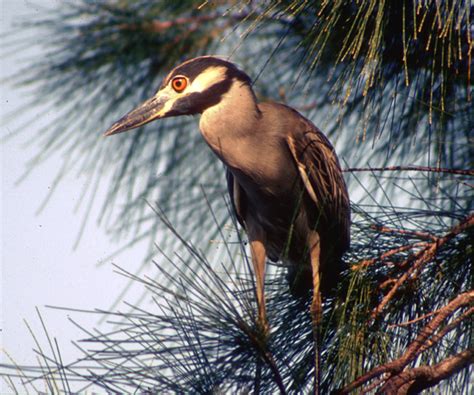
x=227 y=126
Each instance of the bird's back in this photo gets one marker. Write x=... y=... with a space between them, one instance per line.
x=318 y=168
x=304 y=191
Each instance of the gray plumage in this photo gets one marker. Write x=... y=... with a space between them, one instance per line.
x=284 y=179
x=274 y=193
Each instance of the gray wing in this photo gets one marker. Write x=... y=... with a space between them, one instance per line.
x=237 y=197
x=322 y=177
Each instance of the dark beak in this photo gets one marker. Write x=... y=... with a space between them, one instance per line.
x=148 y=111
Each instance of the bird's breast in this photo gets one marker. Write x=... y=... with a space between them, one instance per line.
x=273 y=199
x=261 y=164
x=265 y=174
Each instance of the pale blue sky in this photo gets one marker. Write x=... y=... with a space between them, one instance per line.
x=39 y=265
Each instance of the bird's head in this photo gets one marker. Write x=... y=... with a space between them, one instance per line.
x=188 y=89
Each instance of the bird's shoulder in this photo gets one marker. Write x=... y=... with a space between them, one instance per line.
x=294 y=125
x=237 y=198
x=281 y=111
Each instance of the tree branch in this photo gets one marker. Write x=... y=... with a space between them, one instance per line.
x=422 y=342
x=421 y=258
x=465 y=172
x=413 y=381
x=404 y=232
x=387 y=254
x=192 y=23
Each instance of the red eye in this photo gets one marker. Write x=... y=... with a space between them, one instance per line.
x=179 y=84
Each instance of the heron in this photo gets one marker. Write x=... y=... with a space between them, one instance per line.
x=283 y=176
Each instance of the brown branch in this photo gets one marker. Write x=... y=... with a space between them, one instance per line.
x=421 y=258
x=192 y=22
x=413 y=321
x=160 y=26
x=436 y=338
x=387 y=283
x=367 y=262
x=465 y=172
x=423 y=341
x=424 y=316
x=413 y=381
x=425 y=334
x=370 y=388
x=265 y=354
x=405 y=232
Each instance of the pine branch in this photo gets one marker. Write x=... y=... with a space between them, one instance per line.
x=405 y=232
x=382 y=257
x=191 y=23
x=425 y=339
x=422 y=257
x=411 y=82
x=465 y=172
x=415 y=380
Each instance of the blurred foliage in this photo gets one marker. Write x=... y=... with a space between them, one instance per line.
x=389 y=81
x=200 y=334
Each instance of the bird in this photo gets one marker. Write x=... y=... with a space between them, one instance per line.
x=283 y=175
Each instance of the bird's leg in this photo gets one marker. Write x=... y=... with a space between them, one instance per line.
x=258 y=259
x=316 y=306
x=259 y=256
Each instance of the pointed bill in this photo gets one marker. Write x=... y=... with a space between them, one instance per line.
x=148 y=111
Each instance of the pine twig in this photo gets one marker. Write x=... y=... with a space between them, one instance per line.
x=405 y=232
x=424 y=316
x=464 y=172
x=424 y=340
x=421 y=258
x=415 y=380
x=367 y=262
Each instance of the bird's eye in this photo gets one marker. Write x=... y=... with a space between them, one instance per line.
x=179 y=84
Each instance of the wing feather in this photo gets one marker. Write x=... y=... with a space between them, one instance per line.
x=237 y=197
x=322 y=177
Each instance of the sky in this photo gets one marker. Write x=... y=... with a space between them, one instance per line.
x=39 y=264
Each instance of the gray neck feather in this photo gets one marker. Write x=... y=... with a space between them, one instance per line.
x=231 y=124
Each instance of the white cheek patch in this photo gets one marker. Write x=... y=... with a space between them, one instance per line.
x=166 y=91
x=166 y=108
x=209 y=77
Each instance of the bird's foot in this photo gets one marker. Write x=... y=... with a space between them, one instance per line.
x=316 y=318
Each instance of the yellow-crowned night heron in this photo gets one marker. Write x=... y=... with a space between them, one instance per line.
x=284 y=179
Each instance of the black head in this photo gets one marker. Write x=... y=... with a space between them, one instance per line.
x=188 y=89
